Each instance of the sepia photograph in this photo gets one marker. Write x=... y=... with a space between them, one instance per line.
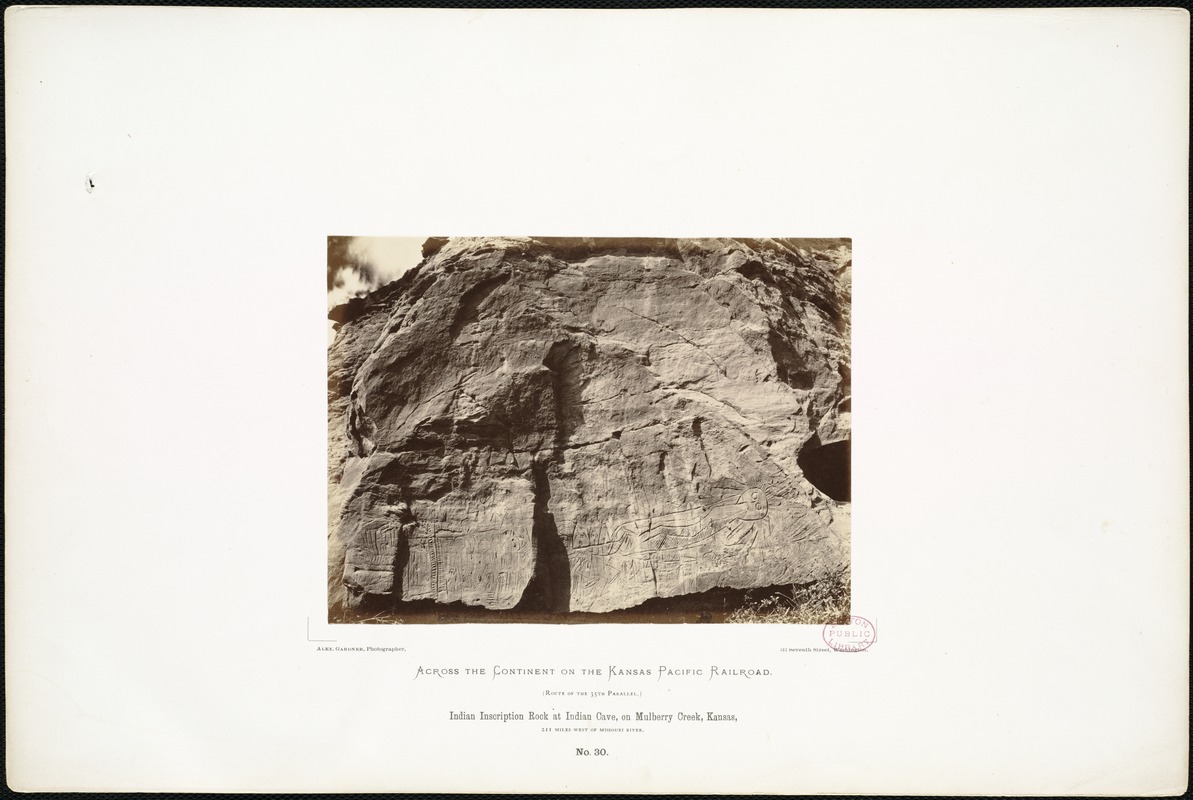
x=588 y=430
x=550 y=488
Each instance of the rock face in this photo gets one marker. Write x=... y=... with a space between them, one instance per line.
x=584 y=424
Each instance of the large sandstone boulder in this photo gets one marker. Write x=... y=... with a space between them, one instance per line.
x=584 y=424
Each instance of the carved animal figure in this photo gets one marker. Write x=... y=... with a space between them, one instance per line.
x=688 y=527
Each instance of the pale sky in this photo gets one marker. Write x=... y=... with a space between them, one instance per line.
x=389 y=256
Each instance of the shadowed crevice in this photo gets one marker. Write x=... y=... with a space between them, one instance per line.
x=401 y=560
x=550 y=587
x=790 y=366
x=827 y=467
x=564 y=361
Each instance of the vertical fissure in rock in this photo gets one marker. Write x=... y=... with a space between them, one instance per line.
x=698 y=432
x=406 y=527
x=401 y=560
x=361 y=429
x=565 y=392
x=550 y=586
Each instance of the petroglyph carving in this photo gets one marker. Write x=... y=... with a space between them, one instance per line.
x=735 y=524
x=579 y=426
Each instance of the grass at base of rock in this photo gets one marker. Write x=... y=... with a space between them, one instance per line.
x=819 y=603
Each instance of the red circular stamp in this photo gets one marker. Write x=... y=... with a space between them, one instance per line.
x=858 y=635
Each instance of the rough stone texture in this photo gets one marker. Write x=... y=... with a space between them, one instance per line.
x=585 y=424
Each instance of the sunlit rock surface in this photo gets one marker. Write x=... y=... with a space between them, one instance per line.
x=584 y=424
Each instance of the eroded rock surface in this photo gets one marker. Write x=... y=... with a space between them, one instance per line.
x=585 y=424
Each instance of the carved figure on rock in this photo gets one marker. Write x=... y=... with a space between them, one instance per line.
x=735 y=521
x=555 y=428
